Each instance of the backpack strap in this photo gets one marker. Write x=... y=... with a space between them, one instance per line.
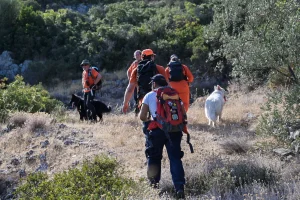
x=91 y=74
x=189 y=143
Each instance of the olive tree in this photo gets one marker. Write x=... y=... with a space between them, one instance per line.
x=259 y=37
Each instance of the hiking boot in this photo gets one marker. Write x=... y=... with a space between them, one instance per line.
x=180 y=194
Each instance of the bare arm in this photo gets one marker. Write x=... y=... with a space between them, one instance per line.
x=98 y=78
x=128 y=73
x=127 y=96
x=144 y=113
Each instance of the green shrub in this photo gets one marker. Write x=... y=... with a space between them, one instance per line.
x=21 y=97
x=282 y=113
x=279 y=78
x=97 y=179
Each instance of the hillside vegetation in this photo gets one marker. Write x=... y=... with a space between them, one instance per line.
x=254 y=45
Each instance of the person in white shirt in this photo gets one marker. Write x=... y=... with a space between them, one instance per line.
x=156 y=139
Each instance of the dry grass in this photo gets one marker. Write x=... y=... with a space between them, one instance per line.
x=121 y=136
x=18 y=119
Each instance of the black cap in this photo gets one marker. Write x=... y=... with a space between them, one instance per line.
x=159 y=79
x=85 y=62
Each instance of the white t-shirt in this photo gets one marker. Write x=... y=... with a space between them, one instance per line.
x=150 y=100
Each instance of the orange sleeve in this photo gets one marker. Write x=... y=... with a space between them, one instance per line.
x=188 y=74
x=131 y=68
x=161 y=70
x=133 y=76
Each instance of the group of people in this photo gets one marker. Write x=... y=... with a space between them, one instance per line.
x=145 y=77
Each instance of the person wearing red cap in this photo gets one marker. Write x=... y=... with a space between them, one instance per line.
x=141 y=76
x=180 y=77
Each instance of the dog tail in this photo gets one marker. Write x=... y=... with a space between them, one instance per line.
x=210 y=111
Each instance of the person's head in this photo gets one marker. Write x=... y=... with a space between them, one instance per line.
x=174 y=58
x=148 y=54
x=158 y=81
x=85 y=64
x=137 y=55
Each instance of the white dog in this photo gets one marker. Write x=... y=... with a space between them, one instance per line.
x=214 y=105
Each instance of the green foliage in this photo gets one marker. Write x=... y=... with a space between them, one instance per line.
x=257 y=37
x=110 y=31
x=97 y=179
x=280 y=77
x=21 y=97
x=282 y=113
x=9 y=11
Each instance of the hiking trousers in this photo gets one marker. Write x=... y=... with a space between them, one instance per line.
x=155 y=142
x=88 y=98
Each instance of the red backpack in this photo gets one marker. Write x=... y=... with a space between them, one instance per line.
x=170 y=111
x=170 y=114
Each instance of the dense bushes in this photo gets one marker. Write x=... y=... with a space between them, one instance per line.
x=97 y=179
x=19 y=96
x=282 y=114
x=107 y=34
x=257 y=37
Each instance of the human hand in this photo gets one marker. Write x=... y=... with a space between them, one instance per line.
x=125 y=108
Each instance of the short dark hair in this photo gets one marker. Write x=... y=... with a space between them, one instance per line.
x=159 y=80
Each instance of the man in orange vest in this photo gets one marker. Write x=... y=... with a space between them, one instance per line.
x=139 y=80
x=90 y=77
x=137 y=56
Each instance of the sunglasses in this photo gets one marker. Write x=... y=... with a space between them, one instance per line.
x=84 y=65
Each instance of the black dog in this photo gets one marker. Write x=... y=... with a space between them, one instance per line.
x=100 y=107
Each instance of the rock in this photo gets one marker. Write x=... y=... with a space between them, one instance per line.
x=62 y=126
x=30 y=159
x=283 y=152
x=249 y=116
x=15 y=161
x=295 y=134
x=29 y=153
x=9 y=69
x=43 y=157
x=24 y=66
x=68 y=142
x=74 y=164
x=22 y=173
x=42 y=167
x=44 y=144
